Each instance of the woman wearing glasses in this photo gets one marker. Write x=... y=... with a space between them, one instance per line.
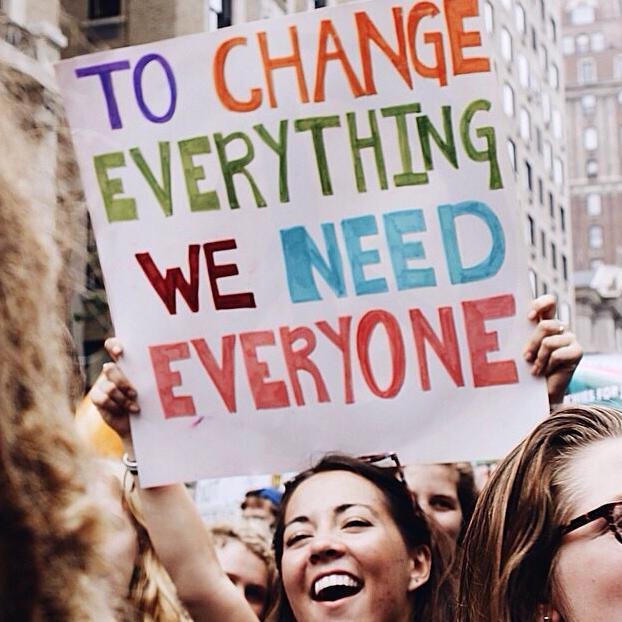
x=545 y=541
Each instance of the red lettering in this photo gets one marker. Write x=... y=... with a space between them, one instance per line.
x=174 y=280
x=323 y=56
x=455 y=12
x=220 y=56
x=446 y=348
x=218 y=271
x=368 y=32
x=294 y=60
x=298 y=360
x=167 y=379
x=396 y=346
x=476 y=312
x=223 y=375
x=341 y=339
x=265 y=394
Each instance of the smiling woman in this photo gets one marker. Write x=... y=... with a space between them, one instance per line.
x=351 y=545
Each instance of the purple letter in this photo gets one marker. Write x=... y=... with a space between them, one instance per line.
x=138 y=87
x=104 y=71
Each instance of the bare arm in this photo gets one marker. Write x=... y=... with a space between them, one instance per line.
x=552 y=349
x=175 y=527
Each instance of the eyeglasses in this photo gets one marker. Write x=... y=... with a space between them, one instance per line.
x=386 y=461
x=611 y=512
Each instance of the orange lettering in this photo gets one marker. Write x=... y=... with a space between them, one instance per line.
x=455 y=12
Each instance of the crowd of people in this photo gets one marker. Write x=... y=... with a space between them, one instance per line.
x=351 y=539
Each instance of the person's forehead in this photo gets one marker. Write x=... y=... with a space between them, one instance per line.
x=236 y=558
x=325 y=492
x=595 y=475
x=432 y=478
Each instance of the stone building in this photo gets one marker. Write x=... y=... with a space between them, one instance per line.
x=593 y=60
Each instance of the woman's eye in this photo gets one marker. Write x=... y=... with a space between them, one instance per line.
x=296 y=538
x=357 y=522
x=443 y=504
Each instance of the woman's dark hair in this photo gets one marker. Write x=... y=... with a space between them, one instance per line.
x=432 y=602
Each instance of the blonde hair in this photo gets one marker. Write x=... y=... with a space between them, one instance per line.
x=50 y=530
x=510 y=547
x=152 y=596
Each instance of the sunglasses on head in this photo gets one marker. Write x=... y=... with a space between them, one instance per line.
x=611 y=512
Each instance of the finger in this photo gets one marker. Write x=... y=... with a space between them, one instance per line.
x=568 y=357
x=542 y=308
x=108 y=408
x=112 y=372
x=548 y=359
x=114 y=347
x=542 y=330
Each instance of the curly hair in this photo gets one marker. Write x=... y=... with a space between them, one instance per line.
x=152 y=596
x=511 y=545
x=49 y=529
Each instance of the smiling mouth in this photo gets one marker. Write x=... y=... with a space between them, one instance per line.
x=332 y=587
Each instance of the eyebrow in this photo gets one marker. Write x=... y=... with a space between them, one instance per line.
x=340 y=509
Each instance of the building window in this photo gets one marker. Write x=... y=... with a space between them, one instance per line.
x=595 y=236
x=582 y=14
x=539 y=140
x=588 y=103
x=508 y=99
x=528 y=176
x=489 y=17
x=506 y=45
x=217 y=14
x=540 y=191
x=586 y=70
x=558 y=127
x=525 y=124
x=544 y=58
x=507 y=4
x=590 y=138
x=551 y=206
x=548 y=156
x=512 y=153
x=531 y=230
x=558 y=172
x=543 y=243
x=565 y=267
x=568 y=45
x=520 y=18
x=546 y=107
x=545 y=288
x=593 y=204
x=533 y=281
x=562 y=218
x=591 y=168
x=553 y=76
x=617 y=66
x=319 y=4
x=534 y=39
x=523 y=70
x=597 y=41
x=553 y=29
x=583 y=42
x=100 y=9
x=553 y=256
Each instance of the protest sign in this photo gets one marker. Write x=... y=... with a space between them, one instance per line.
x=309 y=238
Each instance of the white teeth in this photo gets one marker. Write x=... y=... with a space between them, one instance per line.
x=332 y=580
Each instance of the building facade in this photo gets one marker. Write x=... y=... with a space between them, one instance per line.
x=592 y=45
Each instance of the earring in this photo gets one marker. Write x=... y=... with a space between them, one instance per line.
x=547 y=618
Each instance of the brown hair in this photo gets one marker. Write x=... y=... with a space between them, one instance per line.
x=49 y=529
x=510 y=547
x=152 y=596
x=434 y=601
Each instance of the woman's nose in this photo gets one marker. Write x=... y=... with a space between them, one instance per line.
x=326 y=549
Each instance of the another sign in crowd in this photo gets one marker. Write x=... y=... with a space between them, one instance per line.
x=314 y=263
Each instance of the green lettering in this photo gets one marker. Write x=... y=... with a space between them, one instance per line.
x=316 y=126
x=199 y=201
x=116 y=209
x=280 y=148
x=488 y=133
x=236 y=167
x=358 y=143
x=447 y=145
x=162 y=192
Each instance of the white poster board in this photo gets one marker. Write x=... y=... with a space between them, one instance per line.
x=310 y=239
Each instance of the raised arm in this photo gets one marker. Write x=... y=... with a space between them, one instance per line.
x=175 y=527
x=552 y=349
